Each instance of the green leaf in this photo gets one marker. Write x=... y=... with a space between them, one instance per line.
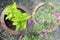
x=9 y=17
x=17 y=27
x=14 y=23
x=14 y=5
x=23 y=24
x=26 y=16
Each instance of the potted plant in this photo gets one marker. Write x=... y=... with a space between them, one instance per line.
x=46 y=15
x=14 y=18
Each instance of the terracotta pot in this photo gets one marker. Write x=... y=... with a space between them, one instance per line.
x=35 y=9
x=3 y=24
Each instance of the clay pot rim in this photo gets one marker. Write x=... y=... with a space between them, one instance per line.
x=34 y=10
x=3 y=22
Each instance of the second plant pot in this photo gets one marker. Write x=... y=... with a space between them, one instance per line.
x=36 y=15
x=7 y=24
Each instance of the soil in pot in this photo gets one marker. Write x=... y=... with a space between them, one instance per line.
x=9 y=23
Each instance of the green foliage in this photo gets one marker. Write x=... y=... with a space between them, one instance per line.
x=19 y=19
x=49 y=36
x=33 y=33
x=45 y=17
x=11 y=10
x=32 y=38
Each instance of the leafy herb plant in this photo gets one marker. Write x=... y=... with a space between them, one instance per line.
x=19 y=19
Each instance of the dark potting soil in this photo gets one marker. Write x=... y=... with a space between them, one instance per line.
x=21 y=10
x=9 y=22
